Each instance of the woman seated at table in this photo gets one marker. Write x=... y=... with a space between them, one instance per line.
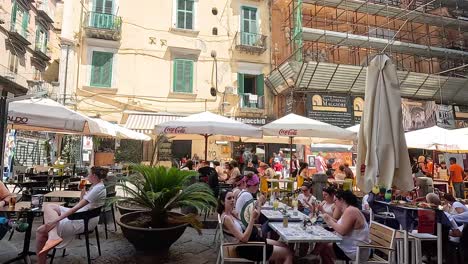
x=340 y=174
x=327 y=206
x=352 y=227
x=265 y=173
x=251 y=182
x=306 y=199
x=234 y=172
x=58 y=229
x=276 y=252
x=5 y=195
x=221 y=173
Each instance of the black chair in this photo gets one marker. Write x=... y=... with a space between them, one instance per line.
x=104 y=213
x=85 y=216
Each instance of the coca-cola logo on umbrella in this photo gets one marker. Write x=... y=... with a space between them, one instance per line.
x=174 y=130
x=288 y=132
x=18 y=120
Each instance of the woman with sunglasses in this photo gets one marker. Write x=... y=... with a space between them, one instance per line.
x=276 y=252
x=306 y=199
x=352 y=227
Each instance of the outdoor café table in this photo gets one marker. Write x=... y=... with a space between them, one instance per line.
x=28 y=185
x=277 y=215
x=407 y=216
x=63 y=194
x=24 y=209
x=295 y=234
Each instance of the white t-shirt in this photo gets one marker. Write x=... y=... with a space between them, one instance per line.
x=96 y=197
x=365 y=203
x=456 y=205
x=301 y=197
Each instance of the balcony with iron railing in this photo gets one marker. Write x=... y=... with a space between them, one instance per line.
x=12 y=79
x=251 y=101
x=103 y=26
x=251 y=42
x=45 y=10
x=42 y=51
x=17 y=31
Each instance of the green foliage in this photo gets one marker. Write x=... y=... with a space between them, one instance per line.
x=163 y=190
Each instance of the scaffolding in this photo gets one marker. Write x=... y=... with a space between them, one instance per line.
x=338 y=38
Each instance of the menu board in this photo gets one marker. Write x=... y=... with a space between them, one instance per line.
x=332 y=109
x=165 y=151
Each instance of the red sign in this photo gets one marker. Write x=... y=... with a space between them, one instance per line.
x=288 y=132
x=174 y=130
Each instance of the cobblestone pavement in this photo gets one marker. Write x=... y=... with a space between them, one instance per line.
x=190 y=248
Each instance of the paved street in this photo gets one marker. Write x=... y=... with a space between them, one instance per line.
x=190 y=248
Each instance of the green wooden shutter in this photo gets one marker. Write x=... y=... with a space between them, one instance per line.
x=25 y=22
x=240 y=83
x=13 y=14
x=101 y=69
x=248 y=25
x=183 y=76
x=260 y=84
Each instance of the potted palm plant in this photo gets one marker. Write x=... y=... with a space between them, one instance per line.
x=162 y=192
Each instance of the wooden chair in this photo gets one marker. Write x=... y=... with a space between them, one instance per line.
x=227 y=251
x=85 y=216
x=382 y=240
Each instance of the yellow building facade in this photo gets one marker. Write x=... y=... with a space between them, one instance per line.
x=122 y=60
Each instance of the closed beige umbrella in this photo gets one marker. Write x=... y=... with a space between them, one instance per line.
x=382 y=150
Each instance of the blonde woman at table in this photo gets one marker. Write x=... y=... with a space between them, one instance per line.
x=352 y=227
x=276 y=252
x=265 y=173
x=58 y=229
x=327 y=206
x=302 y=174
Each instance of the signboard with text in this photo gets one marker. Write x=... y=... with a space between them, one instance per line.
x=332 y=109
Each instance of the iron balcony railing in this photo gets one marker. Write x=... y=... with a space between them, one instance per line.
x=248 y=39
x=43 y=49
x=103 y=21
x=252 y=101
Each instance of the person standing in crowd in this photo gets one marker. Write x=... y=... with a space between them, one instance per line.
x=430 y=167
x=222 y=177
x=272 y=160
x=456 y=177
x=340 y=173
x=422 y=168
x=295 y=166
x=303 y=174
x=250 y=167
x=209 y=176
x=442 y=171
x=320 y=164
x=349 y=173
x=278 y=167
x=255 y=160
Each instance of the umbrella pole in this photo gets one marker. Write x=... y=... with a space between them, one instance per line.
x=206 y=146
x=290 y=154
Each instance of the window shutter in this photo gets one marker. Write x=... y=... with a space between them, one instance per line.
x=13 y=14
x=38 y=33
x=260 y=84
x=183 y=76
x=99 y=6
x=101 y=71
x=25 y=22
x=240 y=83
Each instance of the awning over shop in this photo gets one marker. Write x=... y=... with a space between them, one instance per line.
x=145 y=122
x=331 y=77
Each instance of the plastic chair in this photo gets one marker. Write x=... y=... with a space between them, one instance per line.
x=85 y=216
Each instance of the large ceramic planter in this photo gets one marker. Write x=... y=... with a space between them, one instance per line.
x=149 y=239
x=125 y=208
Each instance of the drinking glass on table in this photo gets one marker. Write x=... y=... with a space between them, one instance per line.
x=12 y=202
x=82 y=184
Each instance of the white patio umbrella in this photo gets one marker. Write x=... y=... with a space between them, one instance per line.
x=114 y=130
x=207 y=124
x=354 y=128
x=382 y=151
x=49 y=116
x=300 y=128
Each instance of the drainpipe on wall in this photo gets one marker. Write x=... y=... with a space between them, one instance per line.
x=66 y=76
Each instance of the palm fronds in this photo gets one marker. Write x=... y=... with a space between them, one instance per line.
x=162 y=190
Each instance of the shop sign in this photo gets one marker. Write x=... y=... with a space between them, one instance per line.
x=445 y=116
x=18 y=120
x=252 y=121
x=332 y=109
x=175 y=130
